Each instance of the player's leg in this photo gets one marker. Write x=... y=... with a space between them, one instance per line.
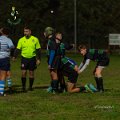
x=23 y=79
x=2 y=81
x=31 y=80
x=24 y=68
x=54 y=78
x=71 y=85
x=32 y=66
x=61 y=81
x=8 y=79
x=71 y=88
x=99 y=79
x=4 y=67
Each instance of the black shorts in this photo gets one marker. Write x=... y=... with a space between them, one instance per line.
x=70 y=73
x=104 y=62
x=5 y=64
x=28 y=63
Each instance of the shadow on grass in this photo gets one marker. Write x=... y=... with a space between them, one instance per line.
x=16 y=89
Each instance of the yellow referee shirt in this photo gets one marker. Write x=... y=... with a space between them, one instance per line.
x=28 y=46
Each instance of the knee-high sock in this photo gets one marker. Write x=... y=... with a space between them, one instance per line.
x=23 y=83
x=82 y=88
x=97 y=83
x=54 y=85
x=31 y=81
x=2 y=85
x=9 y=82
x=101 y=83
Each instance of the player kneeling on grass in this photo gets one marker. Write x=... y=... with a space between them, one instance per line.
x=70 y=69
x=99 y=56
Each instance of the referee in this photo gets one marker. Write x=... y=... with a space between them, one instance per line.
x=31 y=54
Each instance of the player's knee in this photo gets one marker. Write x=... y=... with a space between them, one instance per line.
x=97 y=74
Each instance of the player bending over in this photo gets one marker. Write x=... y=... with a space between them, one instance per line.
x=99 y=56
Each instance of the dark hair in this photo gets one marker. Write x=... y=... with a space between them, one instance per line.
x=5 y=31
x=27 y=27
x=82 y=47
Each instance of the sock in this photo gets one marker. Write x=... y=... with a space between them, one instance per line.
x=23 y=83
x=31 y=80
x=82 y=88
x=9 y=81
x=54 y=85
x=2 y=85
x=62 y=85
x=97 y=83
x=101 y=83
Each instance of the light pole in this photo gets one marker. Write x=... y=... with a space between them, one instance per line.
x=75 y=24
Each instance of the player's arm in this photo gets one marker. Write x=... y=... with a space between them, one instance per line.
x=84 y=66
x=51 y=57
x=52 y=51
x=16 y=52
x=38 y=56
x=80 y=66
x=10 y=44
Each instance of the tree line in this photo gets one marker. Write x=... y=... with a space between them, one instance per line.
x=95 y=19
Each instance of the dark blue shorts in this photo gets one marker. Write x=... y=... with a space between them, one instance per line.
x=5 y=64
x=103 y=63
x=70 y=73
x=28 y=63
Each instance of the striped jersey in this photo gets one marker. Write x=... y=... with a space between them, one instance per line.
x=5 y=45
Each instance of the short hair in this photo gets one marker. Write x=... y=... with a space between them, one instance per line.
x=5 y=31
x=27 y=27
x=49 y=31
x=82 y=47
x=58 y=33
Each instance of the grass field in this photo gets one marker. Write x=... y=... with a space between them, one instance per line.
x=40 y=105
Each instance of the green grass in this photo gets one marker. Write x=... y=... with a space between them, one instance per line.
x=40 y=105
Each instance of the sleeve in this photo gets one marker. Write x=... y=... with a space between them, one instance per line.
x=38 y=52
x=37 y=44
x=10 y=44
x=51 y=56
x=86 y=63
x=80 y=66
x=52 y=45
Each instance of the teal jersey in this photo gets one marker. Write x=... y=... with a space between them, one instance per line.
x=71 y=62
x=62 y=49
x=95 y=54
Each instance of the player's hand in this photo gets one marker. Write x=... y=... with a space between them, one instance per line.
x=37 y=62
x=79 y=72
x=76 y=68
